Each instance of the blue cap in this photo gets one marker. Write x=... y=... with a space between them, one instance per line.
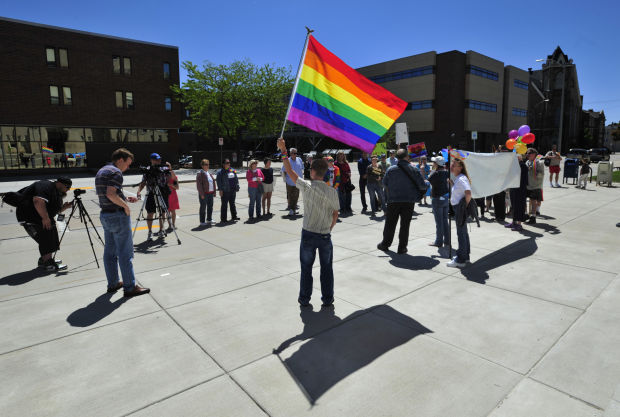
x=155 y=156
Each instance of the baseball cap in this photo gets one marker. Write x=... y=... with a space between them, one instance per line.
x=66 y=181
x=155 y=155
x=438 y=160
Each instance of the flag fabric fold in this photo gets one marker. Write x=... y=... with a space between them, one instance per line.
x=335 y=100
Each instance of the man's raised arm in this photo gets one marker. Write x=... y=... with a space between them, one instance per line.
x=285 y=162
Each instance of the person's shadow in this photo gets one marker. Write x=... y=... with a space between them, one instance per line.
x=347 y=345
x=99 y=309
x=479 y=270
x=23 y=277
x=411 y=262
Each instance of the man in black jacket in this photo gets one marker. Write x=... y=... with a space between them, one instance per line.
x=405 y=186
x=42 y=202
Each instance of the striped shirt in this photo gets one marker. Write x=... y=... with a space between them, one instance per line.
x=109 y=176
x=320 y=202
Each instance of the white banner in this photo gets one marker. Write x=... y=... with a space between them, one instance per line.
x=491 y=173
x=401 y=133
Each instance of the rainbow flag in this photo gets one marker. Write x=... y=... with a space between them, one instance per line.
x=417 y=150
x=45 y=149
x=335 y=100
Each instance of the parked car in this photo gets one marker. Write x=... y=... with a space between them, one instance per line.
x=276 y=157
x=577 y=153
x=598 y=154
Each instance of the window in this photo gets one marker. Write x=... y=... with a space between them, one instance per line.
x=415 y=72
x=116 y=64
x=119 y=99
x=50 y=56
x=63 y=58
x=126 y=66
x=54 y=96
x=419 y=105
x=519 y=112
x=520 y=84
x=481 y=72
x=129 y=104
x=66 y=96
x=480 y=105
x=166 y=71
x=168 y=103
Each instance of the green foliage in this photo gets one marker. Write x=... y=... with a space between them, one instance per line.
x=232 y=100
x=389 y=137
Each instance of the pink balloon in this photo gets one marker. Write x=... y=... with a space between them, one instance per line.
x=513 y=134
x=523 y=130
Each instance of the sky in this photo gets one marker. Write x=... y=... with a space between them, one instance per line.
x=362 y=32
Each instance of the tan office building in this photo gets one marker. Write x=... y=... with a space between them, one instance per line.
x=455 y=96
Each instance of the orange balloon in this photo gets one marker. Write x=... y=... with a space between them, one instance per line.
x=510 y=143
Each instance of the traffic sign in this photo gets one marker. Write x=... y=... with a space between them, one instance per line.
x=474 y=135
x=221 y=141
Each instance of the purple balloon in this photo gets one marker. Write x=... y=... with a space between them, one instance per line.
x=513 y=134
x=524 y=130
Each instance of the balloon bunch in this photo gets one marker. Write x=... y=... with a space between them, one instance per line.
x=519 y=139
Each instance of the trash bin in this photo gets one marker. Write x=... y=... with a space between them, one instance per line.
x=604 y=173
x=571 y=170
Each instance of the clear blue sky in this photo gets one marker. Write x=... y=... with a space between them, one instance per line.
x=362 y=33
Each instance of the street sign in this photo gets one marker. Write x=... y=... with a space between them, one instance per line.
x=221 y=141
x=474 y=135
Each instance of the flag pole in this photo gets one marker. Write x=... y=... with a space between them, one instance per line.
x=301 y=63
x=450 y=202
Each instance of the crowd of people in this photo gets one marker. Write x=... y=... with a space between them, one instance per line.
x=392 y=185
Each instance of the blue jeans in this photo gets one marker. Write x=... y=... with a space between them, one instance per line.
x=255 y=200
x=375 y=191
x=310 y=242
x=462 y=253
x=206 y=204
x=118 y=250
x=345 y=199
x=442 y=229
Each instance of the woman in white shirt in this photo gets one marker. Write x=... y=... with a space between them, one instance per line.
x=461 y=189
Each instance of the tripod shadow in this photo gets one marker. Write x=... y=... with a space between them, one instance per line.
x=479 y=270
x=23 y=277
x=99 y=309
x=349 y=345
x=149 y=246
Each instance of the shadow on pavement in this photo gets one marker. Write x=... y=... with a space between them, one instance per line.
x=95 y=311
x=149 y=246
x=24 y=277
x=478 y=271
x=331 y=356
x=414 y=263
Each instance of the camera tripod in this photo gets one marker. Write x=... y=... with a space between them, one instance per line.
x=84 y=218
x=161 y=208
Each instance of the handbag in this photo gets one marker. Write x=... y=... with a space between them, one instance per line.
x=348 y=186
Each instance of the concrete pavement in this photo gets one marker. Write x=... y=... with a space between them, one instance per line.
x=530 y=328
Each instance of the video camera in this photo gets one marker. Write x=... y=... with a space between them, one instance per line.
x=77 y=192
x=154 y=170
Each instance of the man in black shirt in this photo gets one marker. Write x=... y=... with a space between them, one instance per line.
x=42 y=202
x=439 y=201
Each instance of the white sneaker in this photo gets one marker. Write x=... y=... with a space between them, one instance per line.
x=162 y=234
x=291 y=213
x=557 y=185
x=454 y=264
x=150 y=236
x=211 y=222
x=551 y=185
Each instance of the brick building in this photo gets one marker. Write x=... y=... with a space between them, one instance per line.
x=82 y=95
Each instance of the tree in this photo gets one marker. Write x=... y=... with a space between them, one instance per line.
x=232 y=100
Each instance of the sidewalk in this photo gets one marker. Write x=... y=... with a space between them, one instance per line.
x=530 y=328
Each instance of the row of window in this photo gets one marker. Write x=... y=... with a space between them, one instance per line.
x=58 y=57
x=481 y=105
x=410 y=73
x=481 y=72
x=519 y=112
x=123 y=99
x=419 y=105
x=520 y=84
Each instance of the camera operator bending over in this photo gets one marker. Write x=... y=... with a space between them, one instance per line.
x=158 y=177
x=116 y=221
x=36 y=214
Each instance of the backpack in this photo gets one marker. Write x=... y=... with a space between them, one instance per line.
x=16 y=198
